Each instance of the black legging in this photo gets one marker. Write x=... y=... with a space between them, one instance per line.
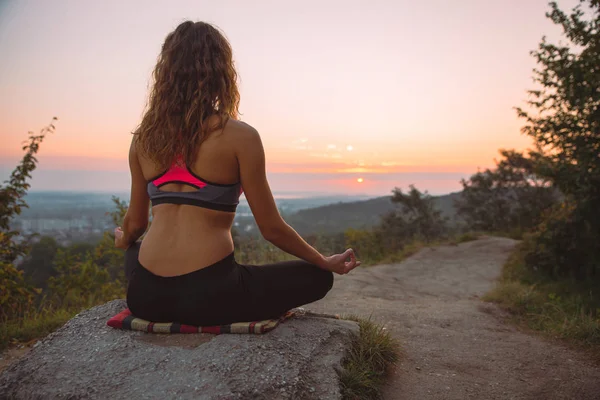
x=224 y=292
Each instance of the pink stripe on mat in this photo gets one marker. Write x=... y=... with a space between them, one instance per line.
x=256 y=327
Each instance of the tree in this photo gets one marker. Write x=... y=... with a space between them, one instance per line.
x=16 y=296
x=105 y=254
x=38 y=265
x=81 y=282
x=416 y=218
x=510 y=198
x=564 y=121
x=86 y=275
x=12 y=193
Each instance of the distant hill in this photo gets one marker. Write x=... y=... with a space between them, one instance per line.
x=338 y=217
x=292 y=204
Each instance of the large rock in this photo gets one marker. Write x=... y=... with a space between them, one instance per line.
x=87 y=359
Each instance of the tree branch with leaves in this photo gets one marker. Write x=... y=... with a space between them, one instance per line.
x=16 y=296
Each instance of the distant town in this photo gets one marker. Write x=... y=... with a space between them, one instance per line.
x=84 y=216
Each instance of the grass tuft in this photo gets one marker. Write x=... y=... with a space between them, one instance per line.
x=370 y=357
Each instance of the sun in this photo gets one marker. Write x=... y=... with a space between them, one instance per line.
x=360 y=180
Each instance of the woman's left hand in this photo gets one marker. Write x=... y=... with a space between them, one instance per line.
x=120 y=242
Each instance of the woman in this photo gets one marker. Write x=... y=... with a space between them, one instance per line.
x=190 y=158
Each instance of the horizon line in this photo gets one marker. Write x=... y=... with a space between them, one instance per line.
x=275 y=193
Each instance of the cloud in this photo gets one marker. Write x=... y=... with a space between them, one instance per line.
x=319 y=155
x=300 y=144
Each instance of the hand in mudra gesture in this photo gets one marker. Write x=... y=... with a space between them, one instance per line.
x=341 y=263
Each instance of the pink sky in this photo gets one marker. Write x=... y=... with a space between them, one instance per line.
x=394 y=92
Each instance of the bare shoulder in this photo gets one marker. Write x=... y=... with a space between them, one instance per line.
x=241 y=128
x=243 y=133
x=133 y=147
x=135 y=151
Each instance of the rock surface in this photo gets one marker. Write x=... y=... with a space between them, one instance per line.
x=86 y=359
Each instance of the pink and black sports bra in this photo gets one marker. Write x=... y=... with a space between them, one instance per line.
x=214 y=196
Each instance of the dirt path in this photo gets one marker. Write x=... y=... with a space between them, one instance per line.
x=455 y=345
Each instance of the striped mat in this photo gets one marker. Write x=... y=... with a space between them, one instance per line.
x=125 y=320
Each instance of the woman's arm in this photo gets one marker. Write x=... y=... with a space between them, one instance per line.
x=136 y=218
x=251 y=158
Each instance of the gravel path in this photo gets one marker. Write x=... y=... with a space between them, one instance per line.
x=456 y=346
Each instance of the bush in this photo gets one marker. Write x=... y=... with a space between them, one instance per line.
x=16 y=295
x=367 y=244
x=565 y=316
x=510 y=199
x=564 y=246
x=256 y=250
x=566 y=309
x=81 y=283
x=416 y=218
x=38 y=264
x=564 y=122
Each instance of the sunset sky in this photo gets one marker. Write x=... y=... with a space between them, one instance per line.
x=387 y=92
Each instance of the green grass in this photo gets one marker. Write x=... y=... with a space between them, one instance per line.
x=465 y=237
x=417 y=245
x=565 y=310
x=407 y=251
x=33 y=326
x=259 y=251
x=373 y=352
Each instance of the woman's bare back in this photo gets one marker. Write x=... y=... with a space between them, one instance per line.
x=185 y=238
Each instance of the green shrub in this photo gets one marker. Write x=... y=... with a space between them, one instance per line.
x=81 y=283
x=16 y=295
x=564 y=246
x=416 y=218
x=568 y=309
x=510 y=198
x=367 y=245
x=563 y=119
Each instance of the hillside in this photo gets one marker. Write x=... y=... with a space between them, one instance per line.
x=338 y=217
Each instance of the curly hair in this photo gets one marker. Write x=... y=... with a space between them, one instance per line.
x=194 y=78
